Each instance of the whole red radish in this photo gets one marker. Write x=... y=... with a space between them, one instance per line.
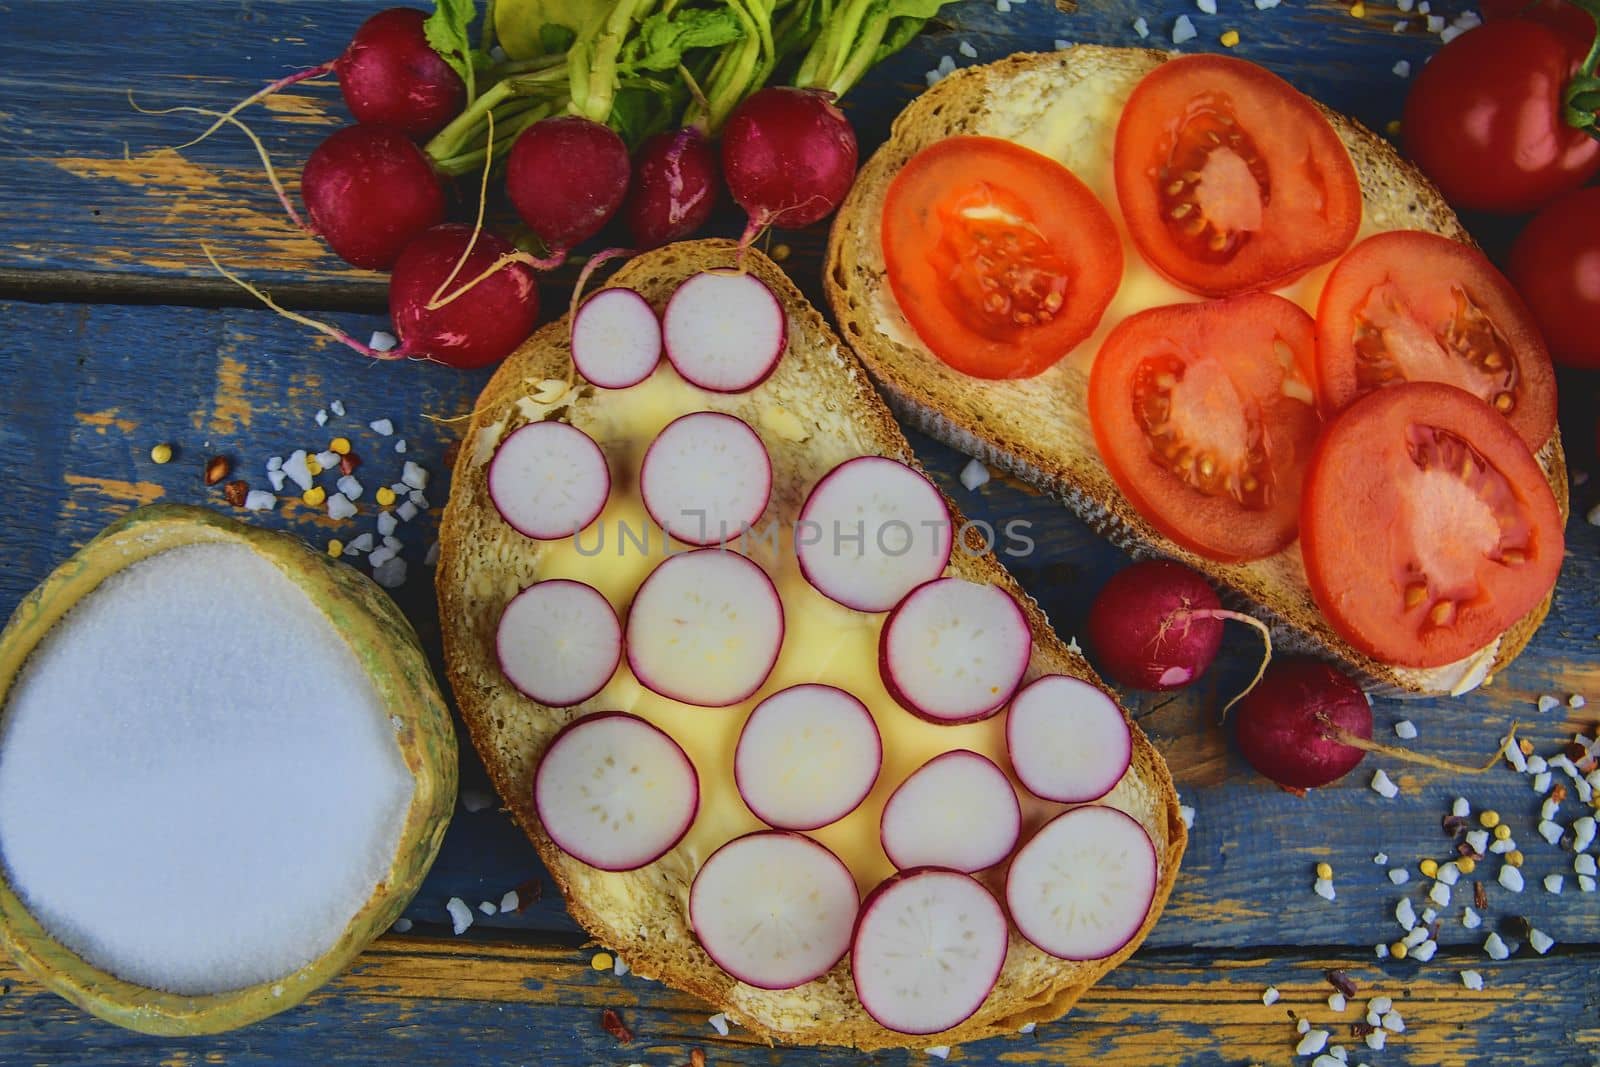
x=391 y=76
x=789 y=157
x=481 y=325
x=566 y=177
x=1284 y=726
x=1156 y=625
x=674 y=188
x=370 y=190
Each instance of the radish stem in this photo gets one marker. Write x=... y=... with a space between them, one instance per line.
x=260 y=94
x=1333 y=732
x=321 y=327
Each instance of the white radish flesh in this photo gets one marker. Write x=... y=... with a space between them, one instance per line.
x=724 y=330
x=954 y=651
x=706 y=478
x=958 y=810
x=1067 y=739
x=1081 y=887
x=615 y=792
x=774 y=909
x=705 y=628
x=807 y=756
x=871 y=531
x=927 y=951
x=559 y=642
x=549 y=480
x=616 y=339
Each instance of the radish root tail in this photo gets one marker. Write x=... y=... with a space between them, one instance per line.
x=1266 y=654
x=477 y=225
x=321 y=327
x=1333 y=732
x=261 y=151
x=260 y=94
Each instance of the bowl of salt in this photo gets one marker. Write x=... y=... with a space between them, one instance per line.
x=225 y=767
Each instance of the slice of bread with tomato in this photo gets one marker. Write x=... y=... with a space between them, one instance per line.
x=1067 y=106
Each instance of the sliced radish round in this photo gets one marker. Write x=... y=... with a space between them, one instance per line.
x=1082 y=886
x=705 y=628
x=549 y=480
x=616 y=338
x=774 y=909
x=958 y=810
x=559 y=642
x=1067 y=739
x=615 y=792
x=954 y=651
x=808 y=756
x=927 y=951
x=706 y=478
x=871 y=531
x=725 y=330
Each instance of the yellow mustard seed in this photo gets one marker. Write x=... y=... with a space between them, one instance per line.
x=339 y=446
x=1502 y=832
x=1490 y=819
x=1515 y=857
x=161 y=453
x=1398 y=950
x=602 y=961
x=385 y=496
x=315 y=496
x=1392 y=128
x=1429 y=868
x=336 y=548
x=1358 y=10
x=313 y=466
x=1229 y=39
x=1466 y=864
x=781 y=252
x=1324 y=870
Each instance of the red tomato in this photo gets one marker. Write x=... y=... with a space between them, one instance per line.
x=1556 y=266
x=1002 y=260
x=1427 y=526
x=1484 y=119
x=1412 y=306
x=1571 y=21
x=1205 y=418
x=1229 y=179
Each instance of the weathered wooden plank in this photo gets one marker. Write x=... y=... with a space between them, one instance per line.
x=417 y=1001
x=85 y=391
x=84 y=187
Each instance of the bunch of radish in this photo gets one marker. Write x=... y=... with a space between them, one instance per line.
x=556 y=128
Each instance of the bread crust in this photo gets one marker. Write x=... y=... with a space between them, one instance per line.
x=1017 y=426
x=641 y=914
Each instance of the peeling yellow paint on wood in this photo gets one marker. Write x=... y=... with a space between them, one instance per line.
x=230 y=403
x=301 y=109
x=135 y=493
x=101 y=421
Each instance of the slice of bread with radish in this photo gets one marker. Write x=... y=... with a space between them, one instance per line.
x=1070 y=106
x=745 y=807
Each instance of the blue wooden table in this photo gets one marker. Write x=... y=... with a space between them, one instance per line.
x=116 y=336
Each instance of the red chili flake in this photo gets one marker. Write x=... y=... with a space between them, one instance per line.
x=528 y=894
x=1361 y=1029
x=217 y=468
x=697 y=1057
x=1434 y=931
x=348 y=463
x=1480 y=898
x=1453 y=825
x=1340 y=981
x=612 y=1022
x=1465 y=851
x=235 y=493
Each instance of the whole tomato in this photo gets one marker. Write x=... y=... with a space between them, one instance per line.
x=1484 y=119
x=1555 y=265
x=1569 y=20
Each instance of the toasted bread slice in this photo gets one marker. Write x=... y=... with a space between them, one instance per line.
x=816 y=410
x=1067 y=103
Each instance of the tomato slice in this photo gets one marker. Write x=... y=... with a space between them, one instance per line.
x=1229 y=179
x=1205 y=417
x=1413 y=306
x=1002 y=260
x=1427 y=526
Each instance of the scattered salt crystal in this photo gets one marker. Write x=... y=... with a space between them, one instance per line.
x=487 y=907
x=406 y=511
x=1209 y=7
x=1326 y=1060
x=510 y=902
x=1537 y=765
x=460 y=915
x=1381 y=858
x=1583 y=863
x=1004 y=7
x=1416 y=937
x=1548 y=703
x=1402 y=68
x=1583 y=833
x=1183 y=30
x=1405 y=729
x=381 y=427
x=295 y=467
x=974 y=474
x=1471 y=919
x=1399 y=875
x=1186 y=813
x=1405 y=5
x=329 y=459
x=476 y=800
x=1511 y=878
x=259 y=500
x=381 y=555
x=1424 y=952
x=1550 y=831
x=943 y=1051
x=225 y=893
x=1324 y=889
x=351 y=487
x=1376 y=1039
x=400 y=446
x=337 y=407
x=1514 y=756
x=1576 y=700
x=391 y=574
x=1440 y=894
x=1142 y=28
x=1061 y=46
x=322 y=418
x=387 y=523
x=1304 y=1025
x=1428 y=915
x=1401 y=25
x=1313 y=1042
x=1549 y=809
x=340 y=507
x=1435 y=22
x=360 y=544
x=401 y=925
x=1553 y=883
x=1472 y=980
x=432 y=560
x=1478 y=840
x=1380 y=1005
x=382 y=342
x=1449 y=873
x=277 y=479
x=1500 y=848
x=1405 y=914
x=275 y=463
x=619 y=966
x=1264 y=5
x=416 y=497
x=719 y=1023
x=1393 y=1023
x=946 y=65
x=1586 y=883
x=1540 y=941
x=399 y=488
x=932 y=77
x=1336 y=1001
x=1383 y=786
x=1541 y=782
x=966 y=49
x=414 y=476
x=1270 y=997
x=1450 y=33
x=1381 y=950
x=393 y=544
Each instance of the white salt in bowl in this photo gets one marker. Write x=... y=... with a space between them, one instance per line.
x=382 y=662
